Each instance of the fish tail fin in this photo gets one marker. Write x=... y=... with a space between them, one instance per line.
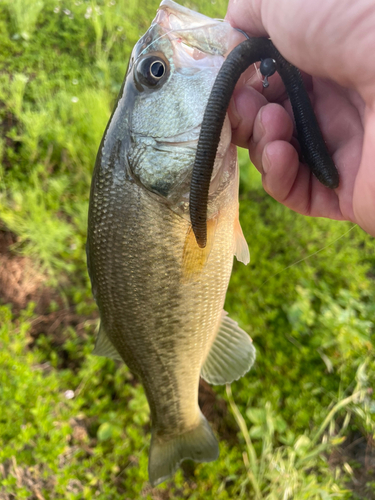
x=198 y=444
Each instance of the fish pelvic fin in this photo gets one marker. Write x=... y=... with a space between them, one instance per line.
x=241 y=248
x=198 y=444
x=231 y=355
x=195 y=258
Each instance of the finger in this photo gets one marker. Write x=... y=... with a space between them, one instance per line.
x=275 y=91
x=339 y=112
x=338 y=118
x=280 y=169
x=272 y=123
x=243 y=109
x=364 y=199
x=250 y=95
x=292 y=183
x=342 y=128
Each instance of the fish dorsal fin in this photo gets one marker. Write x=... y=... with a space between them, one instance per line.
x=104 y=347
x=241 y=249
x=232 y=354
x=195 y=258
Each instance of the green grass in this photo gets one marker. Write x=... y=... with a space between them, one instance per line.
x=307 y=300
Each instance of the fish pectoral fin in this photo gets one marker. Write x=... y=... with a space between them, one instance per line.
x=198 y=444
x=195 y=258
x=241 y=249
x=104 y=347
x=231 y=355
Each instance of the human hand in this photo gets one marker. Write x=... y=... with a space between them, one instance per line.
x=332 y=40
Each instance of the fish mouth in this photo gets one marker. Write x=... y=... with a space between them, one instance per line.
x=200 y=35
x=181 y=17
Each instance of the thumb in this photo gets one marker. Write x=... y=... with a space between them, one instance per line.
x=326 y=38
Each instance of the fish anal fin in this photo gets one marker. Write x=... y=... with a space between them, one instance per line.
x=104 y=347
x=241 y=249
x=231 y=355
x=195 y=258
x=198 y=444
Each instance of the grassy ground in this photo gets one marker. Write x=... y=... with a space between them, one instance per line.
x=300 y=425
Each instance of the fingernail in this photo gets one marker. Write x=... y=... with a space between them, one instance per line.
x=258 y=127
x=234 y=115
x=265 y=160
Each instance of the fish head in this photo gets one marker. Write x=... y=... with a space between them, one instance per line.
x=153 y=133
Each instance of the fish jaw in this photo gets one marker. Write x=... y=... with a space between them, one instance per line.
x=210 y=36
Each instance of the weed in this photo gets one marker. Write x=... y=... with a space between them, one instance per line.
x=24 y=15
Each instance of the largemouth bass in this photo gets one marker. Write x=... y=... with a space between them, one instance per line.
x=160 y=296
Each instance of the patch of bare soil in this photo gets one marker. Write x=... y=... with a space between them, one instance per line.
x=215 y=409
x=36 y=479
x=358 y=452
x=33 y=479
x=20 y=281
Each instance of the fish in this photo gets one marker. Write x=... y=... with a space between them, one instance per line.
x=161 y=296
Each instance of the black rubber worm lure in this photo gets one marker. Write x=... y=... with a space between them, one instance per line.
x=314 y=149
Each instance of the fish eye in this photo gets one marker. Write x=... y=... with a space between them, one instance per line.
x=157 y=69
x=151 y=71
